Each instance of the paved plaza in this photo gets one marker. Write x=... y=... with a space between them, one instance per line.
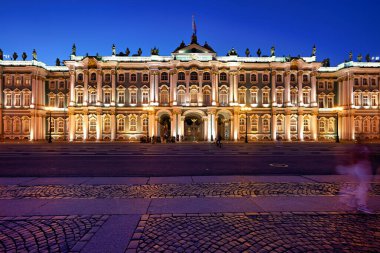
x=185 y=214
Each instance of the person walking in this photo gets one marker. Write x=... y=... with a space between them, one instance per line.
x=219 y=141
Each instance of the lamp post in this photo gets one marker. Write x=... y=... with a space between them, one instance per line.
x=338 y=109
x=246 y=109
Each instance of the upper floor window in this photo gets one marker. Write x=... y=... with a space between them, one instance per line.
x=241 y=78
x=293 y=125
x=18 y=99
x=164 y=76
x=121 y=78
x=61 y=101
x=107 y=78
x=133 y=99
x=80 y=77
x=27 y=81
x=194 y=76
x=293 y=97
x=133 y=78
x=52 y=86
x=305 y=78
x=26 y=99
x=223 y=97
x=207 y=97
x=145 y=97
x=357 y=99
x=330 y=102
x=253 y=78
x=181 y=97
x=330 y=86
x=52 y=101
x=365 y=81
x=242 y=97
x=206 y=76
x=356 y=81
x=242 y=125
x=306 y=125
x=373 y=82
x=80 y=97
x=61 y=85
x=107 y=97
x=321 y=85
x=265 y=97
x=321 y=102
x=164 y=96
x=92 y=97
x=107 y=125
x=9 y=80
x=292 y=78
x=306 y=98
x=121 y=97
x=279 y=78
x=181 y=76
x=265 y=78
x=279 y=96
x=223 y=77
x=266 y=125
x=18 y=81
x=145 y=78
x=93 y=77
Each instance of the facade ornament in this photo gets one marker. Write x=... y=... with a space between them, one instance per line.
x=272 y=51
x=74 y=50
x=1 y=54
x=326 y=62
x=350 y=56
x=139 y=52
x=34 y=54
x=232 y=52
x=314 y=51
x=15 y=56
x=258 y=52
x=113 y=49
x=367 y=58
x=57 y=62
x=127 y=52
x=154 y=51
x=24 y=56
x=247 y=52
x=360 y=58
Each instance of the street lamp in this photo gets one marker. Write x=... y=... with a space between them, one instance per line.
x=50 y=123
x=149 y=109
x=246 y=109
x=338 y=109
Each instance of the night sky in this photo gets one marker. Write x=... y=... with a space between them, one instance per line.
x=292 y=26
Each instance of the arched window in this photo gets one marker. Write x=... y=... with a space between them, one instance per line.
x=223 y=77
x=305 y=78
x=194 y=76
x=145 y=125
x=92 y=127
x=306 y=125
x=223 y=97
x=293 y=125
x=181 y=97
x=358 y=125
x=106 y=125
x=241 y=78
x=206 y=97
x=79 y=125
x=265 y=78
x=80 y=77
x=132 y=124
x=79 y=96
x=133 y=78
x=164 y=96
x=193 y=96
x=321 y=126
x=181 y=76
x=164 y=76
x=253 y=78
x=107 y=78
x=254 y=125
x=266 y=125
x=242 y=125
x=280 y=126
x=121 y=125
x=93 y=77
x=16 y=125
x=206 y=76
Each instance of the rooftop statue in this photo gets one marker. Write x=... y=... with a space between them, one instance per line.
x=350 y=56
x=127 y=52
x=34 y=54
x=57 y=62
x=326 y=62
x=15 y=56
x=314 y=51
x=247 y=52
x=367 y=58
x=74 y=50
x=258 y=52
x=232 y=52
x=113 y=49
x=24 y=56
x=272 y=51
x=139 y=52
x=154 y=51
x=360 y=57
x=1 y=54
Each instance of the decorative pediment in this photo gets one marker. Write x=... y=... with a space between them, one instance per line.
x=193 y=48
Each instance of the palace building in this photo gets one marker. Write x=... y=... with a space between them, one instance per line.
x=192 y=95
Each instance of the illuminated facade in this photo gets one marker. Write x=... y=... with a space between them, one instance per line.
x=191 y=95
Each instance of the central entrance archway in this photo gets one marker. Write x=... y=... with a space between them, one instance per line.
x=193 y=128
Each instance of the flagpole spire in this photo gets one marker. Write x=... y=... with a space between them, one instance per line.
x=194 y=39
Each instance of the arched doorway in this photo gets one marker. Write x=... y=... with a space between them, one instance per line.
x=224 y=126
x=193 y=127
x=164 y=127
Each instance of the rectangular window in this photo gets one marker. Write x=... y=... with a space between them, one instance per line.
x=356 y=100
x=26 y=99
x=265 y=98
x=321 y=85
x=306 y=125
x=305 y=78
x=373 y=82
x=145 y=125
x=279 y=97
x=121 y=78
x=17 y=99
x=293 y=125
x=121 y=97
x=61 y=102
x=265 y=125
x=92 y=127
x=356 y=81
x=365 y=82
x=60 y=126
x=321 y=103
x=330 y=102
x=107 y=97
x=254 y=125
x=242 y=97
x=133 y=97
x=27 y=81
x=80 y=97
x=330 y=86
x=120 y=125
x=306 y=97
x=374 y=126
x=254 y=97
x=92 y=97
x=145 y=97
x=52 y=101
x=52 y=128
x=374 y=100
x=365 y=100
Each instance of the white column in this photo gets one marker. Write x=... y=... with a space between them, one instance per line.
x=99 y=87
x=175 y=79
x=231 y=88
x=72 y=90
x=313 y=94
x=200 y=93
x=300 y=127
x=236 y=126
x=113 y=86
x=287 y=127
x=181 y=126
x=300 y=94
x=214 y=82
x=85 y=90
x=273 y=89
x=235 y=88
x=85 y=126
x=113 y=126
x=156 y=88
x=151 y=89
x=287 y=89
x=173 y=124
x=314 y=126
x=187 y=94
x=32 y=133
x=151 y=122
x=351 y=91
x=274 y=126
x=72 y=126
x=352 y=136
x=171 y=90
x=99 y=128
x=210 y=126
x=34 y=92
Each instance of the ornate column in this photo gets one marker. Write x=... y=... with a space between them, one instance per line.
x=173 y=123
x=236 y=125
x=231 y=88
x=313 y=94
x=350 y=92
x=113 y=86
x=210 y=126
x=171 y=90
x=34 y=92
x=300 y=126
x=151 y=88
x=200 y=92
x=274 y=126
x=71 y=126
x=175 y=80
x=187 y=94
x=85 y=91
x=113 y=125
x=72 y=89
x=287 y=126
x=300 y=93
x=214 y=85
x=85 y=125
x=99 y=87
x=181 y=126
x=156 y=73
x=99 y=128
x=205 y=128
x=236 y=93
x=314 y=126
x=273 y=88
x=287 y=88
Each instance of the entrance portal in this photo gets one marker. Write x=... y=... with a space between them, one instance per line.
x=224 y=127
x=193 y=128
x=164 y=127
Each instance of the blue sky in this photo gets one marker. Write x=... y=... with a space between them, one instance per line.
x=292 y=26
